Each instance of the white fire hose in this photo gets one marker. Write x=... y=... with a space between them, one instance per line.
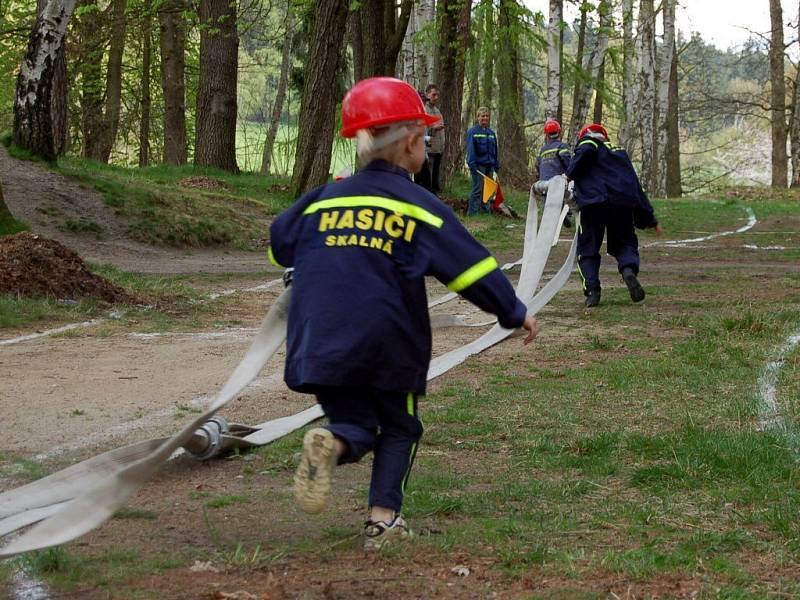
x=72 y=502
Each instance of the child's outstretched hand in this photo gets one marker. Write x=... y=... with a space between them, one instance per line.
x=659 y=230
x=531 y=325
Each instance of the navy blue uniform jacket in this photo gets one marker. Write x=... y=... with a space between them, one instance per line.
x=604 y=173
x=553 y=159
x=361 y=249
x=482 y=148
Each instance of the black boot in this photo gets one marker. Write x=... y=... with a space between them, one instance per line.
x=635 y=288
x=592 y=298
x=568 y=220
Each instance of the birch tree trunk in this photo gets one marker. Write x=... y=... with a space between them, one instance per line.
x=58 y=93
x=317 y=109
x=280 y=93
x=597 y=116
x=144 y=84
x=413 y=64
x=172 y=43
x=647 y=106
x=629 y=88
x=577 y=91
x=777 y=96
x=664 y=70
x=33 y=122
x=215 y=139
x=453 y=17
x=113 y=79
x=593 y=67
x=554 y=27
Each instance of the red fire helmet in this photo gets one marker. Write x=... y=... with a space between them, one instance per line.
x=593 y=128
x=381 y=101
x=552 y=126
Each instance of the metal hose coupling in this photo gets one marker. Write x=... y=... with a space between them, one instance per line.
x=207 y=440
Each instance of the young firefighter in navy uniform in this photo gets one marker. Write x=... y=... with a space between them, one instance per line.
x=554 y=157
x=612 y=201
x=359 y=334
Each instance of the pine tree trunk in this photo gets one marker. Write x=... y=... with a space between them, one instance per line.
x=91 y=28
x=512 y=150
x=794 y=135
x=647 y=94
x=453 y=17
x=33 y=124
x=356 y=40
x=5 y=214
x=778 y=96
x=673 y=149
x=554 y=28
x=215 y=139
x=280 y=93
x=113 y=79
x=664 y=70
x=629 y=93
x=317 y=109
x=144 y=85
x=487 y=47
x=172 y=43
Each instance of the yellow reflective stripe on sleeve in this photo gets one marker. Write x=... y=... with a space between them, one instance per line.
x=410 y=403
x=592 y=142
x=272 y=259
x=473 y=274
x=398 y=206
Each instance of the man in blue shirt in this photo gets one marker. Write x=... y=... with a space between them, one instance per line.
x=359 y=334
x=612 y=202
x=481 y=159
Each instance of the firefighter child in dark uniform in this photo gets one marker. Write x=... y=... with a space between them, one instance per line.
x=554 y=157
x=359 y=334
x=612 y=202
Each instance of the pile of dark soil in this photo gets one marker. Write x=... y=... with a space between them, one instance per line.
x=203 y=182
x=34 y=266
x=459 y=205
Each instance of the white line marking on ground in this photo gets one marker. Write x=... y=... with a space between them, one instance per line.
x=769 y=410
x=33 y=336
x=751 y=221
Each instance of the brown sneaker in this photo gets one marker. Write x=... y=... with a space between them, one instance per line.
x=312 y=480
x=379 y=534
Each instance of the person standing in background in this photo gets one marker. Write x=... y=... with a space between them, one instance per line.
x=435 y=138
x=481 y=159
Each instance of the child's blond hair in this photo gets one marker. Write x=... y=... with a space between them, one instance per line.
x=384 y=142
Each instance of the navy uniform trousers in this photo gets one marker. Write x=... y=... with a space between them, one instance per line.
x=616 y=222
x=385 y=423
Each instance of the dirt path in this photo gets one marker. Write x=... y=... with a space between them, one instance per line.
x=44 y=199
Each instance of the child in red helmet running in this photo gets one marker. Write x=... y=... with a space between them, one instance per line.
x=359 y=334
x=554 y=157
x=612 y=202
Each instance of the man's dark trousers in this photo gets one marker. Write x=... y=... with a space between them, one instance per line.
x=616 y=222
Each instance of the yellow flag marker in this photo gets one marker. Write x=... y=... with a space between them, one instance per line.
x=489 y=188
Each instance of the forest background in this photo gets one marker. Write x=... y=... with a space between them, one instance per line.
x=254 y=85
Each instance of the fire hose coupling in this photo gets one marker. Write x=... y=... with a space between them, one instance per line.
x=212 y=430
x=288 y=276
